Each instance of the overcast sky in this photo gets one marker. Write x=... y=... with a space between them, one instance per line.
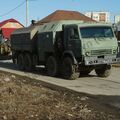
x=41 y=8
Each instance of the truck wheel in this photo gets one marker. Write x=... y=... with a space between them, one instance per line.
x=34 y=60
x=69 y=69
x=14 y=60
x=28 y=62
x=20 y=62
x=104 y=71
x=85 y=73
x=51 y=66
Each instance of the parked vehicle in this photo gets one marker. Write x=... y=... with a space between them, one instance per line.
x=5 y=47
x=6 y=28
x=70 y=47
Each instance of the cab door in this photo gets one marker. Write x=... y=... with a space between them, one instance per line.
x=72 y=39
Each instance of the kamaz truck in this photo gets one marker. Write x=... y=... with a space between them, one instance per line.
x=68 y=47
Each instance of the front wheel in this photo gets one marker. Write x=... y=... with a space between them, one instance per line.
x=103 y=71
x=69 y=69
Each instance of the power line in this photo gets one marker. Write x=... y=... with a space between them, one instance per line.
x=5 y=14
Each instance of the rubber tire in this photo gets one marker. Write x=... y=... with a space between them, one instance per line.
x=34 y=60
x=69 y=69
x=104 y=71
x=51 y=66
x=20 y=62
x=28 y=62
x=14 y=60
x=85 y=73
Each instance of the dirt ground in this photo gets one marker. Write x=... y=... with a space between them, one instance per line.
x=24 y=99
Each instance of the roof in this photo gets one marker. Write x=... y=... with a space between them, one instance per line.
x=6 y=32
x=65 y=15
x=58 y=25
x=9 y=20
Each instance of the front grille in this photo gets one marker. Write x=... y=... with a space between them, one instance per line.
x=101 y=52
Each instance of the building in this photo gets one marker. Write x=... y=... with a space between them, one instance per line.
x=65 y=15
x=8 y=26
x=99 y=16
x=117 y=19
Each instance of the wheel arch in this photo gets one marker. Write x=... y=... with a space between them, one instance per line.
x=71 y=55
x=48 y=54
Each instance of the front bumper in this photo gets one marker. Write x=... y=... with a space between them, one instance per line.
x=98 y=60
x=118 y=60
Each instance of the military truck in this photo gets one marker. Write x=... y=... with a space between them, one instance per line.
x=69 y=47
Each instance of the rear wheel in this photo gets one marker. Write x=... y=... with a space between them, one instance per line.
x=28 y=62
x=14 y=60
x=51 y=66
x=69 y=69
x=20 y=61
x=14 y=57
x=34 y=60
x=103 y=71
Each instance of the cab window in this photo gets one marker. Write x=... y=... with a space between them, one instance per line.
x=73 y=33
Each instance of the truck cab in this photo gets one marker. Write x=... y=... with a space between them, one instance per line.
x=92 y=46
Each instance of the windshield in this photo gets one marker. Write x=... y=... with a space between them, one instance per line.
x=93 y=32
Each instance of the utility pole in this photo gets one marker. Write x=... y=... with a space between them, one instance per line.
x=26 y=13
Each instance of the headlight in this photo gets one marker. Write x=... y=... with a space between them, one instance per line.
x=114 y=51
x=87 y=53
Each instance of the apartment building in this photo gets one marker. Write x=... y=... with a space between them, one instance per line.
x=99 y=16
x=116 y=18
